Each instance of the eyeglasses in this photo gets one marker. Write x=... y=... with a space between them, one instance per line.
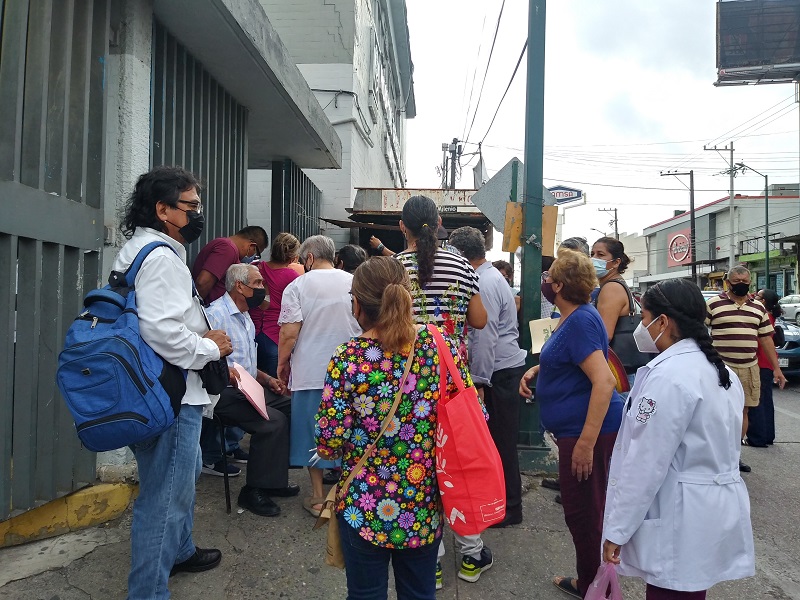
x=193 y=206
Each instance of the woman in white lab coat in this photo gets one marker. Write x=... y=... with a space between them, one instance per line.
x=677 y=511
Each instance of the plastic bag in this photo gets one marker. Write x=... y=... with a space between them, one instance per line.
x=605 y=581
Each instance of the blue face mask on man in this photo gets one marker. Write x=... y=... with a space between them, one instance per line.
x=252 y=258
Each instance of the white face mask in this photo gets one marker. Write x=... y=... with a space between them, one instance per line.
x=644 y=342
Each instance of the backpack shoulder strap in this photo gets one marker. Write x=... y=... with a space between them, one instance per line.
x=133 y=270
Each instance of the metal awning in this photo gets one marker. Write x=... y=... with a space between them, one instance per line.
x=360 y=225
x=239 y=47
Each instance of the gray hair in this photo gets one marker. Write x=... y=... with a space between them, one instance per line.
x=322 y=247
x=238 y=273
x=469 y=242
x=738 y=270
x=576 y=243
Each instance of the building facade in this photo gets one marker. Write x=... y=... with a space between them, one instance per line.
x=669 y=252
x=96 y=93
x=356 y=57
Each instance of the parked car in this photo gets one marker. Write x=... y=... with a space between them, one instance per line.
x=789 y=353
x=708 y=294
x=791 y=307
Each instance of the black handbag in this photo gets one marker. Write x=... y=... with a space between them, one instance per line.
x=623 y=344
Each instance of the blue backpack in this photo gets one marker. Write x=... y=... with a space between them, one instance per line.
x=119 y=391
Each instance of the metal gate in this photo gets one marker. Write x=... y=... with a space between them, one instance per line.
x=52 y=56
x=197 y=124
x=295 y=201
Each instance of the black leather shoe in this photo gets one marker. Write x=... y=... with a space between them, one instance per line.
x=201 y=560
x=290 y=490
x=257 y=501
x=743 y=467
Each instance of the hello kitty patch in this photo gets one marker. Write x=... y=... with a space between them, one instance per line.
x=647 y=408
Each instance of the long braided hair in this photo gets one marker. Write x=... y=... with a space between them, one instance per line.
x=681 y=301
x=421 y=218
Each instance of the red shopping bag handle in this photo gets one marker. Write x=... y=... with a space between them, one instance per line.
x=446 y=361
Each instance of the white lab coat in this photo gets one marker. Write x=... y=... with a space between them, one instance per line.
x=676 y=502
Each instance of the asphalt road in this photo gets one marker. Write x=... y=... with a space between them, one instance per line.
x=282 y=557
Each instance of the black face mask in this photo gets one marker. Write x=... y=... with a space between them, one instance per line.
x=257 y=298
x=192 y=230
x=740 y=289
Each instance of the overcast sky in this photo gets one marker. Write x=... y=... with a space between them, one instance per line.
x=629 y=92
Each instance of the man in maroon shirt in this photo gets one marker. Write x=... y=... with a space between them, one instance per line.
x=217 y=255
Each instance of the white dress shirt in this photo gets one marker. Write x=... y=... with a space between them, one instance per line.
x=171 y=320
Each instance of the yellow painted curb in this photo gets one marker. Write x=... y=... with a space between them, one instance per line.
x=84 y=508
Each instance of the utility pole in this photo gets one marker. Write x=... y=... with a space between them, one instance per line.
x=533 y=450
x=732 y=251
x=616 y=226
x=455 y=153
x=692 y=234
x=451 y=153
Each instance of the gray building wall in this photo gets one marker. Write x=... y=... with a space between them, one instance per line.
x=345 y=46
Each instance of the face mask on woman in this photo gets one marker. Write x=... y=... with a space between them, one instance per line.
x=548 y=292
x=600 y=267
x=644 y=342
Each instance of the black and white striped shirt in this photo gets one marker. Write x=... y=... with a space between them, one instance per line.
x=444 y=300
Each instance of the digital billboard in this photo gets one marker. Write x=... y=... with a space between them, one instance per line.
x=758 y=41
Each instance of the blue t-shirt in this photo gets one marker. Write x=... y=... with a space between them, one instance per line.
x=562 y=388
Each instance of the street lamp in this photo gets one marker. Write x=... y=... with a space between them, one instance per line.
x=603 y=233
x=742 y=168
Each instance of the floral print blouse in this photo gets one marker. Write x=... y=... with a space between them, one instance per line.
x=394 y=501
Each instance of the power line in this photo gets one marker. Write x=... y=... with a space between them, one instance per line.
x=474 y=75
x=514 y=74
x=486 y=73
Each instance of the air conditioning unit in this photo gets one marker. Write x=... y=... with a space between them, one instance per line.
x=373 y=107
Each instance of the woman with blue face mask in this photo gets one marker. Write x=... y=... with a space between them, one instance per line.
x=615 y=302
x=677 y=512
x=610 y=262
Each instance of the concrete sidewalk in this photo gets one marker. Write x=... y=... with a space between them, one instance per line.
x=282 y=558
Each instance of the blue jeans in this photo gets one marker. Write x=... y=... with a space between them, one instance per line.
x=163 y=513
x=266 y=354
x=367 y=568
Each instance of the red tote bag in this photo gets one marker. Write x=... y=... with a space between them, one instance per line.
x=468 y=467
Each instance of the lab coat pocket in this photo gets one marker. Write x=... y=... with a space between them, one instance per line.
x=644 y=550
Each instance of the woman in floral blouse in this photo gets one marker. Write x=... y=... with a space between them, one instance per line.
x=392 y=508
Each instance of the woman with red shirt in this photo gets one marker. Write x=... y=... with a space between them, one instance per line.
x=277 y=274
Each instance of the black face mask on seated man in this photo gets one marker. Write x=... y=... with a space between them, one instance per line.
x=257 y=298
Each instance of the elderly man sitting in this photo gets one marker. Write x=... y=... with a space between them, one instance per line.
x=268 y=464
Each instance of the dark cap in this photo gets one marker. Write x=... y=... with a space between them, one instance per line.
x=441 y=233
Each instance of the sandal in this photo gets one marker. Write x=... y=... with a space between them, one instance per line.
x=310 y=503
x=568 y=585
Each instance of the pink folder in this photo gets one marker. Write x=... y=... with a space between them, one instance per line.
x=252 y=390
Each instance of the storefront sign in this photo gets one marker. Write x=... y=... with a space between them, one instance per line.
x=679 y=249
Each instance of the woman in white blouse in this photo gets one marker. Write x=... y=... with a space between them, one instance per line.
x=316 y=317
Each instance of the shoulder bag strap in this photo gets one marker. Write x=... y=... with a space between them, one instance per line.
x=631 y=309
x=386 y=421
